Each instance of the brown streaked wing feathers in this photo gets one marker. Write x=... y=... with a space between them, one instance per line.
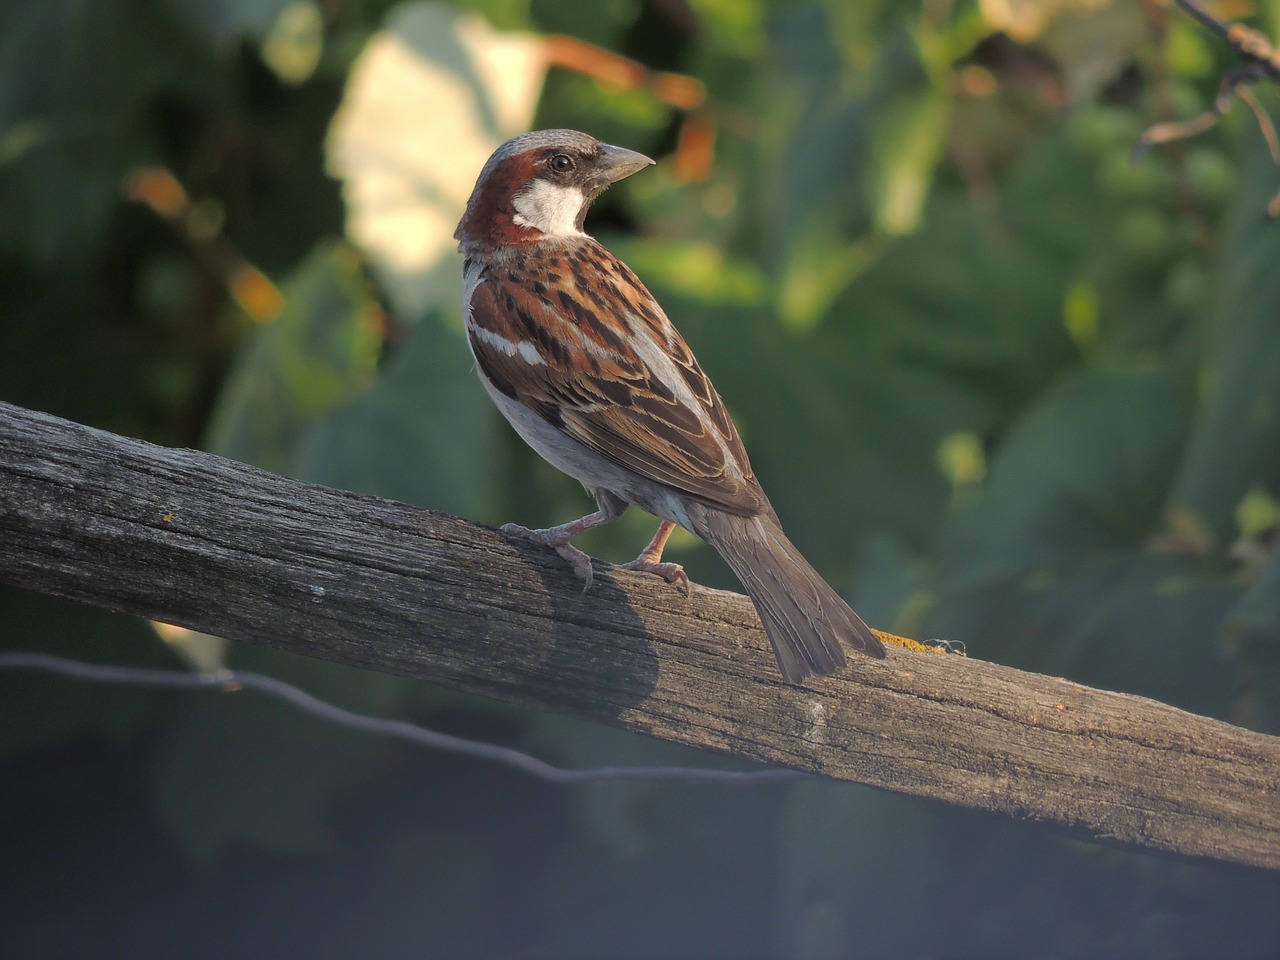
x=607 y=400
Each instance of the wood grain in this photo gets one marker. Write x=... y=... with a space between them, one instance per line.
x=217 y=546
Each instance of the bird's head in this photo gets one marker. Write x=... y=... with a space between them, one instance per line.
x=540 y=184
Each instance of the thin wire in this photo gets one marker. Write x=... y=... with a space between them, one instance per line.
x=230 y=680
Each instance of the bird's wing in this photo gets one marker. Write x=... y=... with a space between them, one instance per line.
x=572 y=333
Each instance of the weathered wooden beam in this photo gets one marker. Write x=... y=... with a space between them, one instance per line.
x=217 y=546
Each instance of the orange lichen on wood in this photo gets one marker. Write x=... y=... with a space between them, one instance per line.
x=908 y=644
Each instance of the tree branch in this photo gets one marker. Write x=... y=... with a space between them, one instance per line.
x=207 y=543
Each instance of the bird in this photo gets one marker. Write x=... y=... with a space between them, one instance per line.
x=586 y=367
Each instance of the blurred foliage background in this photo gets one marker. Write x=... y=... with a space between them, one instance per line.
x=1004 y=385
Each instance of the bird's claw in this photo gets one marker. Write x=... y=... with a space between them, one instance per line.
x=580 y=562
x=670 y=572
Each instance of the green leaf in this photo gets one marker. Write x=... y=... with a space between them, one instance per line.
x=430 y=97
x=77 y=78
x=1132 y=621
x=1049 y=568
x=1253 y=631
x=816 y=213
x=224 y=20
x=1082 y=475
x=907 y=145
x=1236 y=441
x=309 y=361
x=426 y=433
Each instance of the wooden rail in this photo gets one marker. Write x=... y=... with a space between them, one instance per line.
x=217 y=546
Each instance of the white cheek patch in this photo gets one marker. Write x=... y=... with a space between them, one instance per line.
x=550 y=208
x=525 y=350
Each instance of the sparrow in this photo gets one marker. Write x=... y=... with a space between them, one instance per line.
x=584 y=364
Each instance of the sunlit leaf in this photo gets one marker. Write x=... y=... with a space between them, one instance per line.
x=699 y=271
x=295 y=43
x=907 y=144
x=428 y=100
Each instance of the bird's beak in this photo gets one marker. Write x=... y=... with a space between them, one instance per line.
x=618 y=163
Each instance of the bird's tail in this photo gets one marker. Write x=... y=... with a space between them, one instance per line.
x=803 y=617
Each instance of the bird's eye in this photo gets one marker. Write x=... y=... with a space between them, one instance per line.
x=561 y=163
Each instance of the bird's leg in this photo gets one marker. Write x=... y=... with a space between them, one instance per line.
x=558 y=537
x=650 y=560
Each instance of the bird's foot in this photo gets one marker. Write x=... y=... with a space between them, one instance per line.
x=555 y=538
x=650 y=561
x=670 y=572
